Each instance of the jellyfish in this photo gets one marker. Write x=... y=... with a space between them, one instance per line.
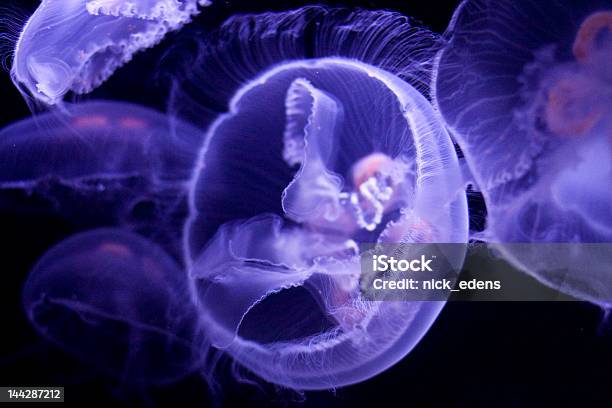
x=328 y=144
x=75 y=45
x=117 y=301
x=102 y=163
x=526 y=89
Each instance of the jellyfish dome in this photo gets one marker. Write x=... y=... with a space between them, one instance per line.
x=75 y=45
x=117 y=301
x=525 y=87
x=326 y=145
x=103 y=163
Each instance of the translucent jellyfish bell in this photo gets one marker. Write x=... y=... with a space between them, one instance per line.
x=101 y=163
x=117 y=301
x=315 y=157
x=75 y=45
x=97 y=140
x=526 y=89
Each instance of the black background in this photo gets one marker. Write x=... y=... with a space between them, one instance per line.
x=476 y=354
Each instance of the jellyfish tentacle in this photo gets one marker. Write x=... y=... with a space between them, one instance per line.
x=247 y=45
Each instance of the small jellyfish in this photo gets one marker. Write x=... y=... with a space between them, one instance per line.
x=526 y=89
x=75 y=45
x=328 y=144
x=101 y=163
x=117 y=301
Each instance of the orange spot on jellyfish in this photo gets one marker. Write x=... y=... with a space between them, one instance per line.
x=586 y=42
x=92 y=121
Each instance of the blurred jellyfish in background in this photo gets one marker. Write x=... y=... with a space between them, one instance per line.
x=102 y=164
x=75 y=45
x=526 y=89
x=327 y=144
x=117 y=301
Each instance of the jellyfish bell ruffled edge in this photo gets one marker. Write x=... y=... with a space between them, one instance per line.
x=44 y=72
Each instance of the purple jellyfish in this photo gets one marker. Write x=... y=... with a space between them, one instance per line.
x=117 y=301
x=328 y=144
x=526 y=89
x=75 y=45
x=103 y=164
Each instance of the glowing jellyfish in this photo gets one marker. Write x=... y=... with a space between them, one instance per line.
x=106 y=161
x=526 y=88
x=315 y=157
x=117 y=301
x=75 y=45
